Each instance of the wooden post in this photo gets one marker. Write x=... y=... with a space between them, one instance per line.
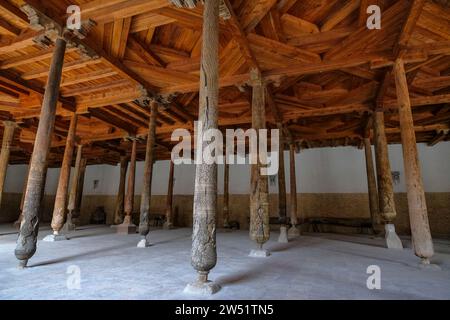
x=8 y=135
x=59 y=211
x=259 y=189
x=169 y=200
x=384 y=179
x=120 y=200
x=293 y=231
x=226 y=196
x=128 y=227
x=19 y=219
x=26 y=243
x=418 y=216
x=73 y=191
x=79 y=195
x=144 y=226
x=204 y=255
x=42 y=200
x=371 y=184
x=283 y=238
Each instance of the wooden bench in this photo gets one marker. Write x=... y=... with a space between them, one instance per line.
x=361 y=224
x=156 y=220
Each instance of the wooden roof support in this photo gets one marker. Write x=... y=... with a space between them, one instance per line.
x=204 y=254
x=418 y=216
x=59 y=210
x=120 y=199
x=128 y=227
x=259 y=202
x=144 y=221
x=308 y=97
x=26 y=244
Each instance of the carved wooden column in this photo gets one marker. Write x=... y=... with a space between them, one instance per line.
x=283 y=238
x=293 y=231
x=144 y=226
x=259 y=188
x=26 y=243
x=418 y=216
x=59 y=211
x=8 y=135
x=226 y=196
x=371 y=184
x=169 y=200
x=70 y=225
x=79 y=193
x=128 y=227
x=384 y=179
x=120 y=199
x=204 y=254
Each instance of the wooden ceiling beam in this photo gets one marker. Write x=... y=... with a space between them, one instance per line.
x=408 y=27
x=26 y=39
x=8 y=77
x=111 y=119
x=69 y=66
x=125 y=116
x=144 y=52
x=85 y=77
x=440 y=136
x=9 y=28
x=91 y=89
x=14 y=11
x=400 y=47
x=110 y=10
x=420 y=101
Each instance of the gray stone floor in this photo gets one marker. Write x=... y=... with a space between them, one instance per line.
x=315 y=266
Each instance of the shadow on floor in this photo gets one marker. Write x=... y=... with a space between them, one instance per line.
x=241 y=277
x=84 y=254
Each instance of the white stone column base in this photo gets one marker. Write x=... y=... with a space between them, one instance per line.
x=425 y=264
x=283 y=238
x=392 y=239
x=144 y=243
x=202 y=288
x=55 y=237
x=259 y=253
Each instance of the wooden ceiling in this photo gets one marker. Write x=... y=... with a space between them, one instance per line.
x=325 y=71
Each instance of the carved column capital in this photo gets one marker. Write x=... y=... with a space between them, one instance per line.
x=53 y=30
x=132 y=138
x=9 y=123
x=224 y=11
x=256 y=78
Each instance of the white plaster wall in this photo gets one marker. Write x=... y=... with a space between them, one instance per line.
x=327 y=170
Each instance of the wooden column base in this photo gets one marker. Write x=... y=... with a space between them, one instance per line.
x=127 y=227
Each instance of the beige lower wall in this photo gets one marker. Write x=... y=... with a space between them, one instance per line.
x=344 y=205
